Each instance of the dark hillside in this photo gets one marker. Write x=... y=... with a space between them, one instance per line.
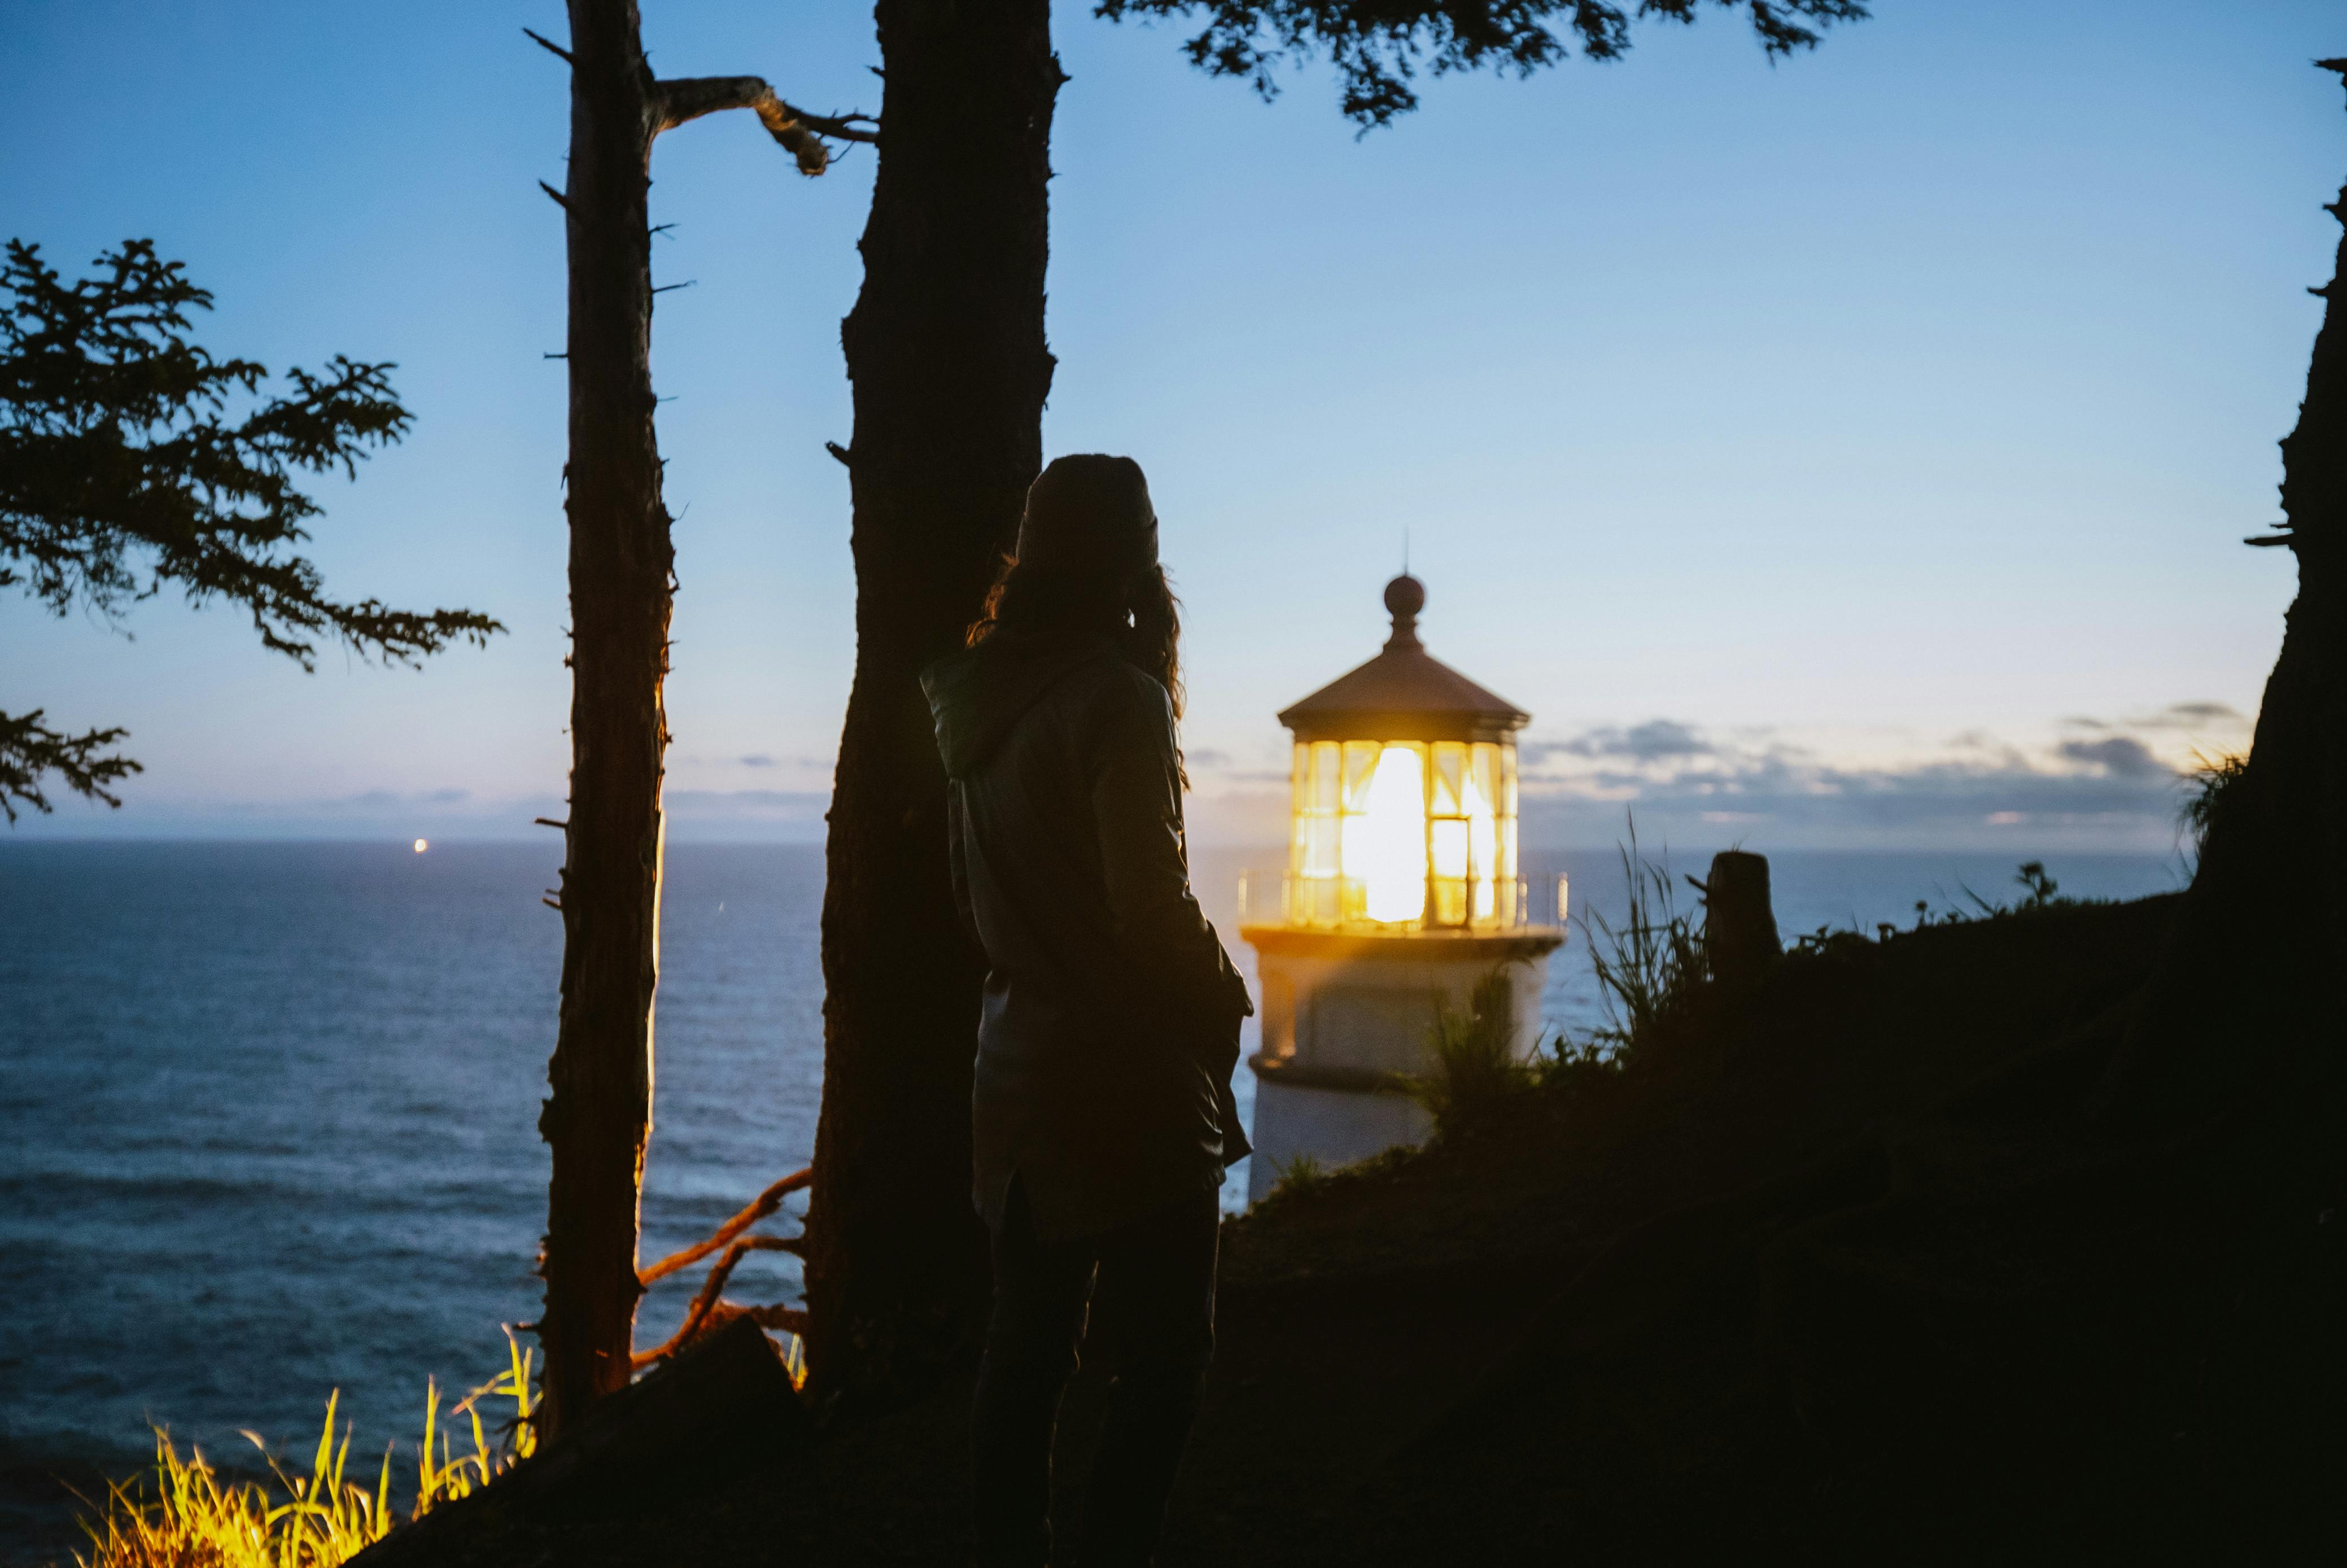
x=1984 y=1329
x=1848 y=1272
x=1850 y=1263
x=1834 y=1041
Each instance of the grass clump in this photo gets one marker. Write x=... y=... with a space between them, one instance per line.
x=1476 y=1069
x=1305 y=1174
x=1302 y=1174
x=2207 y=786
x=1652 y=969
x=195 y=1519
x=1569 y=1064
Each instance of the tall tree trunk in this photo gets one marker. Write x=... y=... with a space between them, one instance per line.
x=946 y=349
x=2256 y=961
x=600 y=1114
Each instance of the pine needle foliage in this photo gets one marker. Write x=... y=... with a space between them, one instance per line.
x=1380 y=46
x=131 y=458
x=30 y=750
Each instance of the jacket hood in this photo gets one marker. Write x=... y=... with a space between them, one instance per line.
x=978 y=696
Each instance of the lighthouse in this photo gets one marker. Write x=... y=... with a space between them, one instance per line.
x=1401 y=891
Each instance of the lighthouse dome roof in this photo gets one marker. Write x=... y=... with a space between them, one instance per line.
x=1405 y=693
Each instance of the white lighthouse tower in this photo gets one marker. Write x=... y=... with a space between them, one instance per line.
x=1401 y=892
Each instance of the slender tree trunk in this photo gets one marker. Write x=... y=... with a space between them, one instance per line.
x=946 y=349
x=598 y=1118
x=600 y=1114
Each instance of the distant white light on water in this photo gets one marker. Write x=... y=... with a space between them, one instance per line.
x=422 y=845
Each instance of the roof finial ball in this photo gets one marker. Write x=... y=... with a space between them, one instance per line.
x=1405 y=597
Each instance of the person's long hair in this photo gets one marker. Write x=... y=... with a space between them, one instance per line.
x=1144 y=620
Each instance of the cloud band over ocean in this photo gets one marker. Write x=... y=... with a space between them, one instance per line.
x=2098 y=785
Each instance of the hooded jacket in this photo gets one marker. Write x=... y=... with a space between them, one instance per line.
x=1110 y=1025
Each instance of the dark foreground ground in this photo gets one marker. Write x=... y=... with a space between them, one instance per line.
x=1845 y=1273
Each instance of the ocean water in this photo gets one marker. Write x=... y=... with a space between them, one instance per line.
x=268 y=1110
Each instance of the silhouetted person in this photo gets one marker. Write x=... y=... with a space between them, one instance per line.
x=1103 y=1117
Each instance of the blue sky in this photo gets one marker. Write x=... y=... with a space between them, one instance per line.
x=1851 y=451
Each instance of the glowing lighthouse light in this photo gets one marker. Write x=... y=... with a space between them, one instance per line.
x=1385 y=845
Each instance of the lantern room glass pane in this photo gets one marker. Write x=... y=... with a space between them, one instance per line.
x=1323 y=777
x=1299 y=816
x=1360 y=767
x=1447 y=837
x=1449 y=768
x=1313 y=895
x=1320 y=853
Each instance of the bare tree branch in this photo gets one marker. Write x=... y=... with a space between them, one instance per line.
x=710 y=1298
x=759 y=1207
x=801 y=133
x=709 y=1309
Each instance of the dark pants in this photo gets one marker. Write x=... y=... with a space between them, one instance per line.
x=1156 y=1298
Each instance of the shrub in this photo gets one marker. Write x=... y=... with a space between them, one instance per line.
x=2043 y=893
x=1567 y=1063
x=2040 y=893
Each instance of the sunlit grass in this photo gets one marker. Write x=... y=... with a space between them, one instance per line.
x=194 y=1519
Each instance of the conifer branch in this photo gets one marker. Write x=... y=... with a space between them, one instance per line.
x=30 y=749
x=136 y=460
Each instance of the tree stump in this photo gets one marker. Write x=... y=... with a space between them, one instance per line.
x=1738 y=921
